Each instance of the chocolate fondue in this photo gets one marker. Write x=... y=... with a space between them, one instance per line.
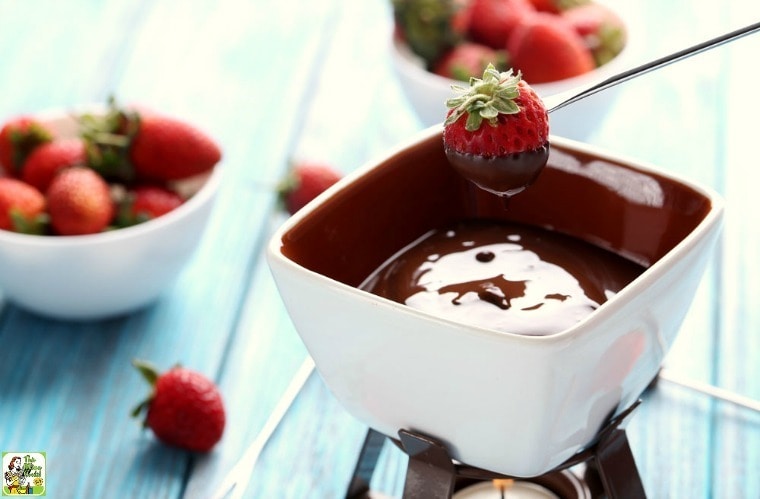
x=505 y=276
x=501 y=175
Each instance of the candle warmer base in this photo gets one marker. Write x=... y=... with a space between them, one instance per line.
x=606 y=469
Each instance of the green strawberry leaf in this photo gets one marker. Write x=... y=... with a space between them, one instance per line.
x=148 y=371
x=485 y=99
x=37 y=225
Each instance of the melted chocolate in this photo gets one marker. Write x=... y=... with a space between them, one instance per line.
x=504 y=176
x=504 y=276
x=635 y=213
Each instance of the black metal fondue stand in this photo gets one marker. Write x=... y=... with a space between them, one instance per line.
x=606 y=469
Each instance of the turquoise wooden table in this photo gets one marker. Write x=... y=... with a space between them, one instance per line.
x=274 y=81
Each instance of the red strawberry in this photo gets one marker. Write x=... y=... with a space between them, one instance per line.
x=545 y=48
x=147 y=202
x=166 y=148
x=185 y=408
x=469 y=59
x=493 y=21
x=79 y=202
x=601 y=28
x=48 y=159
x=18 y=138
x=461 y=18
x=430 y=27
x=306 y=181
x=22 y=207
x=556 y=6
x=496 y=133
x=124 y=145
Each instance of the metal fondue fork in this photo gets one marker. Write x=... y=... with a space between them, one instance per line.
x=236 y=481
x=560 y=100
x=710 y=390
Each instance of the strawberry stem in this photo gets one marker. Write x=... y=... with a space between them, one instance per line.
x=485 y=99
x=36 y=225
x=148 y=371
x=108 y=139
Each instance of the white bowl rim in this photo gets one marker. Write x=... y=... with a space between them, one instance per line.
x=651 y=273
x=207 y=190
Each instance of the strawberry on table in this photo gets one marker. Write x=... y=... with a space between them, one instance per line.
x=19 y=137
x=185 y=409
x=469 y=59
x=601 y=29
x=546 y=48
x=147 y=202
x=492 y=21
x=496 y=133
x=79 y=202
x=48 y=159
x=22 y=207
x=305 y=181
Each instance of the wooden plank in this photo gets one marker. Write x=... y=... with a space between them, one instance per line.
x=314 y=451
x=172 y=62
x=68 y=55
x=684 y=140
x=736 y=437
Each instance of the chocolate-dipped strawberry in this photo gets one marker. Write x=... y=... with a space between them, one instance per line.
x=496 y=133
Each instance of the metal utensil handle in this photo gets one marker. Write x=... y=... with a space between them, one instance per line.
x=237 y=479
x=558 y=101
x=712 y=391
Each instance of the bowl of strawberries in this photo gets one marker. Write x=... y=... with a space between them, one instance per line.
x=556 y=45
x=100 y=209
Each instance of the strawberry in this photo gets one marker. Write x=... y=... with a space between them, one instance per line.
x=546 y=48
x=461 y=18
x=79 y=202
x=430 y=27
x=602 y=30
x=304 y=182
x=496 y=132
x=494 y=20
x=469 y=59
x=166 y=148
x=22 y=207
x=147 y=202
x=18 y=137
x=185 y=408
x=125 y=145
x=48 y=159
x=107 y=139
x=556 y=6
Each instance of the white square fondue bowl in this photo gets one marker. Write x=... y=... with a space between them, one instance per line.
x=512 y=404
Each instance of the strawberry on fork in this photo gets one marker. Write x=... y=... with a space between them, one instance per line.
x=496 y=132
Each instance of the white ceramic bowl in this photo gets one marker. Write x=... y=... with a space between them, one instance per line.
x=519 y=405
x=106 y=274
x=427 y=92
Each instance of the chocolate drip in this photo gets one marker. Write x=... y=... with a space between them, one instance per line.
x=502 y=175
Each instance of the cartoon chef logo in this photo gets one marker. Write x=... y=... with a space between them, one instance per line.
x=23 y=474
